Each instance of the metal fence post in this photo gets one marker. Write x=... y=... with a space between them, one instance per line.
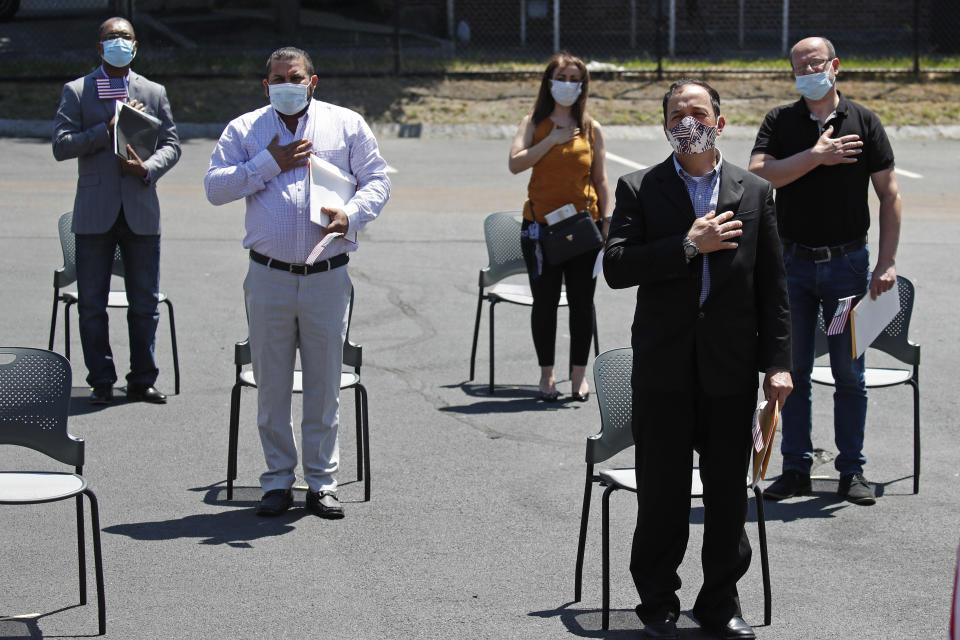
x=396 y=38
x=660 y=39
x=785 y=27
x=556 y=25
x=916 y=37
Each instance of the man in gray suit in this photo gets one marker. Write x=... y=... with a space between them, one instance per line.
x=116 y=205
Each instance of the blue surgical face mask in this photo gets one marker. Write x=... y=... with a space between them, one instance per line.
x=289 y=99
x=815 y=85
x=118 y=52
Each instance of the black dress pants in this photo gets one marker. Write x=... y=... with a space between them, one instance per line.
x=546 y=281
x=667 y=428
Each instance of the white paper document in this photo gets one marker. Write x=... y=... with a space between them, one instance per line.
x=330 y=186
x=870 y=317
x=598 y=265
x=562 y=213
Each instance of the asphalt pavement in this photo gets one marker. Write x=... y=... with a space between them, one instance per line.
x=472 y=527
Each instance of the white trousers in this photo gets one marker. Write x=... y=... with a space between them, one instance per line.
x=286 y=311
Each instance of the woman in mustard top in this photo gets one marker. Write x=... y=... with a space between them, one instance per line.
x=564 y=147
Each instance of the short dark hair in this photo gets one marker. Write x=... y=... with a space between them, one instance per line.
x=714 y=96
x=831 y=51
x=290 y=53
x=103 y=26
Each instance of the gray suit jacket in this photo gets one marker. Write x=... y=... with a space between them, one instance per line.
x=81 y=132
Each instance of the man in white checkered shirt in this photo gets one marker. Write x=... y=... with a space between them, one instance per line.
x=263 y=156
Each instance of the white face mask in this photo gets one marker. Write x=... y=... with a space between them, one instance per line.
x=564 y=93
x=289 y=99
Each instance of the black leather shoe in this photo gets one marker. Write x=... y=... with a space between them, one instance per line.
x=324 y=504
x=275 y=502
x=661 y=630
x=735 y=629
x=101 y=395
x=855 y=488
x=790 y=483
x=147 y=394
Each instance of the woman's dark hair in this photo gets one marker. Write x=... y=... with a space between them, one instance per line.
x=545 y=102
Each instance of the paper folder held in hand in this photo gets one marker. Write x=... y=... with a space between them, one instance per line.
x=765 y=420
x=330 y=186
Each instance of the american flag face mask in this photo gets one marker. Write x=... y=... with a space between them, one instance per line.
x=691 y=136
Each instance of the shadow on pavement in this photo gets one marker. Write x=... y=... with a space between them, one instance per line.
x=234 y=528
x=586 y=623
x=26 y=627
x=80 y=402
x=506 y=399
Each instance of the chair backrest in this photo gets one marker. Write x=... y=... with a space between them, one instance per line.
x=352 y=353
x=34 y=403
x=67 y=274
x=611 y=376
x=894 y=340
x=501 y=231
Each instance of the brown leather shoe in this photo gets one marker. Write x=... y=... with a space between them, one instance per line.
x=324 y=504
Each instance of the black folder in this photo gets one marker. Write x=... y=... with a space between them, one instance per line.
x=138 y=129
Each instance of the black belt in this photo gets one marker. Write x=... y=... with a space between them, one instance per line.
x=301 y=269
x=822 y=254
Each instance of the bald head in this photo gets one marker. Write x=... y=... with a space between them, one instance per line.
x=817 y=44
x=115 y=27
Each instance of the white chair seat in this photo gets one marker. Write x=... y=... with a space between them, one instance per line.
x=874 y=377
x=116 y=299
x=627 y=479
x=38 y=486
x=517 y=293
x=347 y=379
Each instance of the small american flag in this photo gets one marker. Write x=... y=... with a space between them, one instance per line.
x=757 y=431
x=840 y=316
x=111 y=88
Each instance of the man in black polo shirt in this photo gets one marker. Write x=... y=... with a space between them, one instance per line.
x=819 y=153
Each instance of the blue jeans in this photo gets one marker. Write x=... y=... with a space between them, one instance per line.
x=811 y=285
x=141 y=261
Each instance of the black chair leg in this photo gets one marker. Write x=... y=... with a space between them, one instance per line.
x=173 y=342
x=53 y=320
x=476 y=335
x=582 y=544
x=81 y=551
x=915 y=383
x=66 y=330
x=764 y=559
x=366 y=440
x=605 y=553
x=98 y=561
x=234 y=429
x=493 y=303
x=358 y=414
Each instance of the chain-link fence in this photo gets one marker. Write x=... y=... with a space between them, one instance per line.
x=206 y=37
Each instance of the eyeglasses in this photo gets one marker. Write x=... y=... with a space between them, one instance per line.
x=116 y=34
x=814 y=66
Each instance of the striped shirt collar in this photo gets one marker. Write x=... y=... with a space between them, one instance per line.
x=709 y=175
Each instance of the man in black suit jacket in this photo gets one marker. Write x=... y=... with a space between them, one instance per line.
x=711 y=312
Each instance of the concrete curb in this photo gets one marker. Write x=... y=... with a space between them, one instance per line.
x=189 y=130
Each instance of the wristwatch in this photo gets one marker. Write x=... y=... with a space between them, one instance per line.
x=690 y=249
